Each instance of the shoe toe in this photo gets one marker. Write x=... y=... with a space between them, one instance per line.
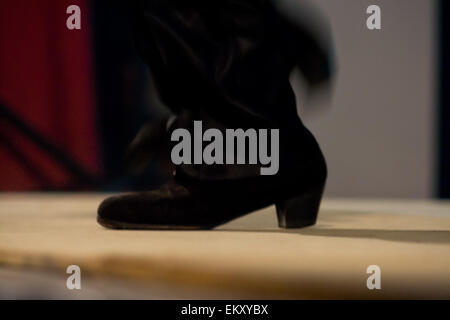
x=111 y=212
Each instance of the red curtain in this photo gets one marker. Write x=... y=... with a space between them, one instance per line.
x=46 y=78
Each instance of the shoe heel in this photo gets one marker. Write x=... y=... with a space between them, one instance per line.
x=300 y=211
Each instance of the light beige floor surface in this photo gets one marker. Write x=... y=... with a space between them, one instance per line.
x=248 y=258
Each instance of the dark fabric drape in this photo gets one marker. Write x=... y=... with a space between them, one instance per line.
x=45 y=79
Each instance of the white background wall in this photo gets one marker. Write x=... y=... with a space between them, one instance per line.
x=378 y=131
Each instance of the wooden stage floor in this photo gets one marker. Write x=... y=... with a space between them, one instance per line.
x=43 y=233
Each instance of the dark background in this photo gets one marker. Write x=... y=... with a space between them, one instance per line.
x=71 y=101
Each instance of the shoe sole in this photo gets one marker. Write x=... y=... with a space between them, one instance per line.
x=111 y=224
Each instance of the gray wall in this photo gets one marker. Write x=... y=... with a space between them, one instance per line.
x=377 y=131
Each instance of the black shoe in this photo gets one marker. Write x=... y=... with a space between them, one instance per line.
x=228 y=62
x=187 y=202
x=177 y=207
